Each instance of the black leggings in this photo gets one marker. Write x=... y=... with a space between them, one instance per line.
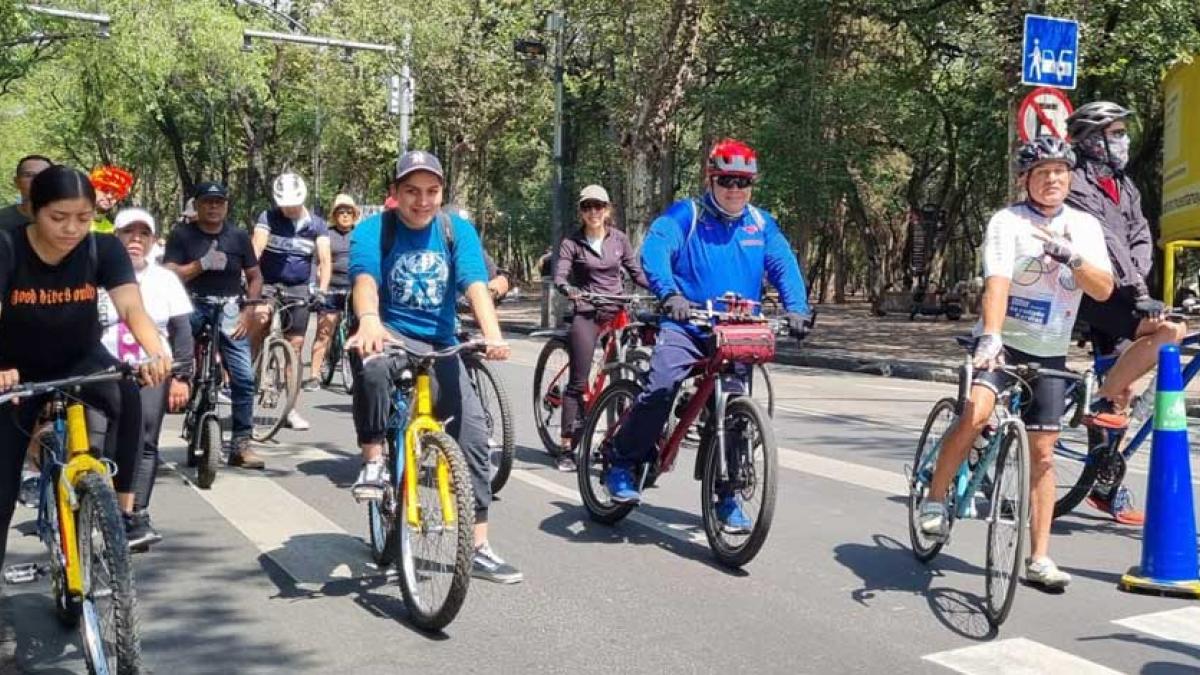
x=154 y=407
x=581 y=339
x=117 y=400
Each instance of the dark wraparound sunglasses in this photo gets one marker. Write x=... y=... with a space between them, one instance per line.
x=592 y=206
x=731 y=182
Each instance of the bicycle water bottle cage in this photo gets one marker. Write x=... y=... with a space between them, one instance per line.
x=744 y=343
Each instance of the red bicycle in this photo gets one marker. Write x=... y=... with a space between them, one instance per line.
x=619 y=337
x=737 y=453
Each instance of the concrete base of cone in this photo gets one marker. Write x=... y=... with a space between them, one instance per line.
x=1133 y=581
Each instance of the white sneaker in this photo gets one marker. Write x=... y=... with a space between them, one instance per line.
x=934 y=521
x=372 y=479
x=1044 y=572
x=295 y=421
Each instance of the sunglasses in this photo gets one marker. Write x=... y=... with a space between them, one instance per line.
x=731 y=182
x=344 y=212
x=593 y=206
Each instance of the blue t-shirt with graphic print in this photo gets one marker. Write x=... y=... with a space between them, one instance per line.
x=418 y=283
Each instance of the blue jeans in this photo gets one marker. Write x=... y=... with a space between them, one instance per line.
x=235 y=356
x=674 y=355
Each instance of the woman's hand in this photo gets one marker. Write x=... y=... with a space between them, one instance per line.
x=156 y=370
x=9 y=379
x=177 y=395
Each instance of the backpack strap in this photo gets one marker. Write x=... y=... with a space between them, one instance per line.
x=387 y=234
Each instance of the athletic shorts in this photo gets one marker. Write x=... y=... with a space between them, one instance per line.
x=1044 y=411
x=1114 y=320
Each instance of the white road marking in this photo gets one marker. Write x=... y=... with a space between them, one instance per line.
x=1016 y=656
x=880 y=480
x=1175 y=625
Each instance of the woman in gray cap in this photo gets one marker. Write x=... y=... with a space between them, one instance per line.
x=589 y=261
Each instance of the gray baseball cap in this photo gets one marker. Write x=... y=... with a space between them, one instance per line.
x=418 y=160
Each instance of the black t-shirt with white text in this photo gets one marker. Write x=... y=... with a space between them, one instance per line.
x=48 y=316
x=188 y=243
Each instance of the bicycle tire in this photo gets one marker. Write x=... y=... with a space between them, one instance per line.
x=108 y=638
x=333 y=358
x=483 y=376
x=593 y=463
x=278 y=360
x=757 y=371
x=65 y=607
x=347 y=373
x=749 y=483
x=1096 y=455
x=922 y=471
x=545 y=410
x=381 y=516
x=1001 y=574
x=435 y=615
x=209 y=461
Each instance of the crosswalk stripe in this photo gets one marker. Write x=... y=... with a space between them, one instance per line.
x=1175 y=625
x=1015 y=656
x=880 y=480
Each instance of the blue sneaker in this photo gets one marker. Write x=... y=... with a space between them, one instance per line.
x=621 y=487
x=733 y=519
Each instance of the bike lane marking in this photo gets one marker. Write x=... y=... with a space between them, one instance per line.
x=1015 y=655
x=1173 y=625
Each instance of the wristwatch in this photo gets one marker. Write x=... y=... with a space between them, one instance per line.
x=1075 y=262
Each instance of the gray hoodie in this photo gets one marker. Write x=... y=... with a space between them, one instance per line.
x=1126 y=231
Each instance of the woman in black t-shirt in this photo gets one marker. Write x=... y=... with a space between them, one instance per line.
x=50 y=271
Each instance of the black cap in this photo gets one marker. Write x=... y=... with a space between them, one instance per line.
x=418 y=160
x=211 y=189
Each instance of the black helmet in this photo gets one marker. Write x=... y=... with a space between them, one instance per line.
x=1041 y=150
x=1093 y=117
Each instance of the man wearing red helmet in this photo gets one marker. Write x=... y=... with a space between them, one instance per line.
x=696 y=252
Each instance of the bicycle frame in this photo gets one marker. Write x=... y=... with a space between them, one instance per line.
x=611 y=334
x=207 y=382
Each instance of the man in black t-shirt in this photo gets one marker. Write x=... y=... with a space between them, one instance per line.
x=16 y=215
x=211 y=257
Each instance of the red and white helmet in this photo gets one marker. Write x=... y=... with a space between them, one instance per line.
x=731 y=157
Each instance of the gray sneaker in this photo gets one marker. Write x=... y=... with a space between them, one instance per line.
x=934 y=521
x=488 y=566
x=1044 y=572
x=295 y=421
x=372 y=480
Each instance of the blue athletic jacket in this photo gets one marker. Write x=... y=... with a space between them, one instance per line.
x=691 y=251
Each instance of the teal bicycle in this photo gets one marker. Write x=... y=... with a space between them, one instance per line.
x=337 y=359
x=991 y=485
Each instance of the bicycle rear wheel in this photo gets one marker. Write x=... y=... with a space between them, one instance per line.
x=595 y=456
x=752 y=462
x=109 y=625
x=549 y=387
x=497 y=409
x=209 y=461
x=278 y=384
x=1081 y=454
x=435 y=553
x=381 y=516
x=1008 y=518
x=333 y=358
x=937 y=424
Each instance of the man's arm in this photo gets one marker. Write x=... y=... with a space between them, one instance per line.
x=259 y=240
x=324 y=263
x=254 y=283
x=783 y=270
x=994 y=304
x=658 y=251
x=1141 y=240
x=1094 y=281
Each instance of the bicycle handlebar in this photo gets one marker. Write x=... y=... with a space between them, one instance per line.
x=394 y=348
x=111 y=374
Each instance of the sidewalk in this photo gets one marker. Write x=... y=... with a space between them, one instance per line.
x=847 y=337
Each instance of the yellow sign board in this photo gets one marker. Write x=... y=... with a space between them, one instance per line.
x=1181 y=153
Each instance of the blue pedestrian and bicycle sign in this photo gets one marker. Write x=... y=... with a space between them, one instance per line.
x=1050 y=52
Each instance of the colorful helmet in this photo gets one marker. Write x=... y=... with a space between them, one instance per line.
x=1041 y=150
x=730 y=157
x=112 y=179
x=289 y=190
x=1093 y=117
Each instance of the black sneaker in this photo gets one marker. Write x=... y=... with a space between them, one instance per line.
x=488 y=566
x=140 y=535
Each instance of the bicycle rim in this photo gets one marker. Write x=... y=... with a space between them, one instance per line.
x=109 y=624
x=210 y=452
x=594 y=455
x=549 y=387
x=752 y=462
x=435 y=554
x=937 y=424
x=498 y=412
x=1007 y=520
x=762 y=389
x=276 y=390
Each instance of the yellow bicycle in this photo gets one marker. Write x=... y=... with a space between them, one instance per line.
x=426 y=514
x=79 y=521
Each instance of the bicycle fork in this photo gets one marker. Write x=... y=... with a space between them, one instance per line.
x=423 y=422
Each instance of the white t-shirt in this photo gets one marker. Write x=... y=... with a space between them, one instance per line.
x=164 y=297
x=1043 y=299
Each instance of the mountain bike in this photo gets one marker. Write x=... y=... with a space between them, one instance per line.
x=497 y=409
x=276 y=369
x=79 y=521
x=1086 y=458
x=426 y=516
x=618 y=336
x=992 y=484
x=737 y=456
x=201 y=424
x=337 y=359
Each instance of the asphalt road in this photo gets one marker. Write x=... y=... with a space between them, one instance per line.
x=268 y=573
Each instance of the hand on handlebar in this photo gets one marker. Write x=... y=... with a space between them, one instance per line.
x=9 y=379
x=989 y=352
x=798 y=324
x=156 y=369
x=677 y=307
x=570 y=291
x=371 y=336
x=497 y=350
x=1149 y=308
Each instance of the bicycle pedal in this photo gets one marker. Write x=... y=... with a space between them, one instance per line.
x=22 y=573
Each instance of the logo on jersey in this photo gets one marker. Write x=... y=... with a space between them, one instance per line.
x=418 y=279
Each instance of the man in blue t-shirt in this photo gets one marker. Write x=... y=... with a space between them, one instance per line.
x=408 y=293
x=289 y=241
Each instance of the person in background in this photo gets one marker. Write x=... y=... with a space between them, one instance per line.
x=345 y=216
x=16 y=215
x=112 y=185
x=167 y=303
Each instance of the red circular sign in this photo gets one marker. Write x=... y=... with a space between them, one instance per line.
x=1043 y=111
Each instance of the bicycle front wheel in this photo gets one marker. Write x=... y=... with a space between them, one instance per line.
x=278 y=384
x=747 y=486
x=333 y=358
x=595 y=453
x=435 y=552
x=109 y=625
x=209 y=461
x=497 y=409
x=761 y=389
x=1007 y=520
x=549 y=387
x=937 y=425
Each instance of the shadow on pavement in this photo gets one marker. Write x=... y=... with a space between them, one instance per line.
x=42 y=642
x=887 y=565
x=573 y=525
x=1156 y=667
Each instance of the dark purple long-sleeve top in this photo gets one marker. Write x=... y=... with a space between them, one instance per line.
x=580 y=266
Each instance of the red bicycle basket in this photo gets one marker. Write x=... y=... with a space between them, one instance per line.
x=744 y=343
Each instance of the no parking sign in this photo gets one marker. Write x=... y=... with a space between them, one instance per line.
x=1043 y=111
